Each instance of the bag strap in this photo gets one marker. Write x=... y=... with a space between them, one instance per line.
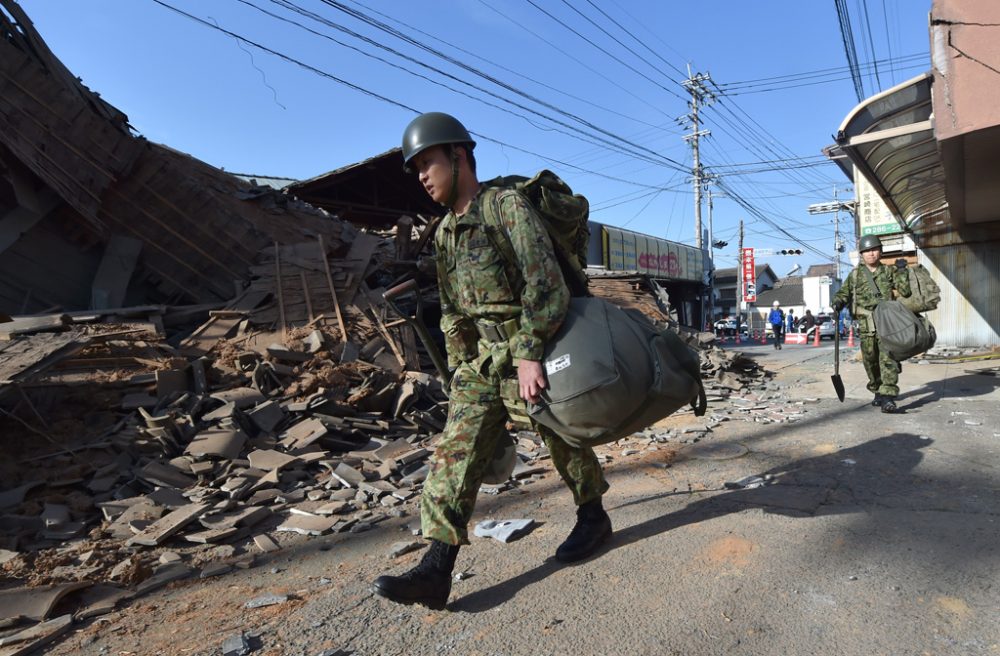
x=871 y=281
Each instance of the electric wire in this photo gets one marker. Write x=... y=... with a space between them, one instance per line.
x=386 y=99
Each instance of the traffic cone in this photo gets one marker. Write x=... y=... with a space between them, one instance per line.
x=816 y=336
x=763 y=337
x=738 y=337
x=850 y=338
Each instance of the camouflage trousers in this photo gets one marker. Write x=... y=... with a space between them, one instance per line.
x=883 y=371
x=477 y=418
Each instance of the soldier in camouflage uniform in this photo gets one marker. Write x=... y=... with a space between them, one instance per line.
x=496 y=318
x=882 y=370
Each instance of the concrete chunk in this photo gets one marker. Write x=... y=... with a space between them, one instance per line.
x=165 y=527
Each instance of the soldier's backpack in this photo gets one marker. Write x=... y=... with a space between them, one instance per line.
x=924 y=292
x=612 y=372
x=563 y=213
x=901 y=333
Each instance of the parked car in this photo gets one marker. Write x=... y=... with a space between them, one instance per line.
x=728 y=327
x=826 y=326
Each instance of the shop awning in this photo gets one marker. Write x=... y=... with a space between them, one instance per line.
x=890 y=138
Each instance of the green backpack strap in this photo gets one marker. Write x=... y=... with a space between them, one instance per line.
x=558 y=210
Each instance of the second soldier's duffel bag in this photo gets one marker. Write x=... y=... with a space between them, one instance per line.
x=612 y=372
x=901 y=333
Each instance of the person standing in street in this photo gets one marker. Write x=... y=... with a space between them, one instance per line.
x=857 y=292
x=807 y=322
x=496 y=318
x=777 y=320
x=790 y=326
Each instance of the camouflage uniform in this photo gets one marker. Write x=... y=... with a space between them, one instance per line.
x=882 y=370
x=478 y=286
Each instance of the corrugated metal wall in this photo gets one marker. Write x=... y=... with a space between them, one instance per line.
x=969 y=277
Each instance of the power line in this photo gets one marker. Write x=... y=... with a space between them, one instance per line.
x=871 y=41
x=365 y=18
x=512 y=71
x=386 y=99
x=847 y=36
x=617 y=59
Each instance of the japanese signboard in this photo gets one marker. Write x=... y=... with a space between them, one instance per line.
x=874 y=217
x=749 y=279
x=631 y=251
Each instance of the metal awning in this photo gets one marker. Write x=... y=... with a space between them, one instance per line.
x=890 y=138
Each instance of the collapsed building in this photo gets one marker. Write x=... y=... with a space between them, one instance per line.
x=193 y=365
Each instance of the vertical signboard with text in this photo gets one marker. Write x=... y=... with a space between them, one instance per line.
x=749 y=279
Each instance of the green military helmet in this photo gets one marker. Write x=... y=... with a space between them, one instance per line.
x=432 y=129
x=869 y=242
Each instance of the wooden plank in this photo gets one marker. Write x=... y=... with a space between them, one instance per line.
x=208 y=335
x=31 y=325
x=115 y=271
x=333 y=291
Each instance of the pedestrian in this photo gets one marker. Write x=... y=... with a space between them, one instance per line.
x=496 y=318
x=882 y=370
x=777 y=320
x=791 y=320
x=807 y=322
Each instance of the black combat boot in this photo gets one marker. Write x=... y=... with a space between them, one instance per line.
x=428 y=584
x=878 y=400
x=593 y=528
x=889 y=404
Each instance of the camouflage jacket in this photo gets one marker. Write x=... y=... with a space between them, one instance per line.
x=477 y=284
x=857 y=293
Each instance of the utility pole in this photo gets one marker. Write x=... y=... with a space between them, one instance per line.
x=834 y=208
x=739 y=283
x=700 y=93
x=836 y=236
x=711 y=252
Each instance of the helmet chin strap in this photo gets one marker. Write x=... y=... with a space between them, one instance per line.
x=453 y=194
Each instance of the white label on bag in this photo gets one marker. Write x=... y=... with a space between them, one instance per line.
x=560 y=363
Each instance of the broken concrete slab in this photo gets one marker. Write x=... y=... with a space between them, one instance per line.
x=35 y=603
x=266 y=600
x=163 y=576
x=162 y=474
x=98 y=600
x=236 y=645
x=307 y=525
x=165 y=527
x=241 y=397
x=30 y=639
x=348 y=476
x=265 y=543
x=266 y=416
x=270 y=460
x=224 y=443
x=401 y=548
x=506 y=530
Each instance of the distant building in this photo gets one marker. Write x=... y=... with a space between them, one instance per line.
x=725 y=288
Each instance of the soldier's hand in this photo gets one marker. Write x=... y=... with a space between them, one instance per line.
x=900 y=263
x=531 y=379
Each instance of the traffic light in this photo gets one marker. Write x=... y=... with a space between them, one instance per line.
x=790 y=251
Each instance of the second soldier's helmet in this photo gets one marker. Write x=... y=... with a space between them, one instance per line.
x=776 y=304
x=869 y=242
x=432 y=129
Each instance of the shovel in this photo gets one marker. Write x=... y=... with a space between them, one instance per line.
x=838 y=384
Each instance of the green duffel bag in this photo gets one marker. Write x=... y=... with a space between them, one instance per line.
x=612 y=372
x=901 y=333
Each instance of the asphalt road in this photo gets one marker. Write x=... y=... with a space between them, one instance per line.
x=877 y=534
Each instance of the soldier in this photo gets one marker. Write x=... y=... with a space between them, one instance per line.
x=496 y=318
x=882 y=370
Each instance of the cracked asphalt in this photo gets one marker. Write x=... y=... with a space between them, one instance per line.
x=876 y=534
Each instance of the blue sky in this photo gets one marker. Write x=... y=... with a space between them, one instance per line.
x=598 y=81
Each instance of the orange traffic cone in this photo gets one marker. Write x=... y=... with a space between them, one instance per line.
x=763 y=337
x=850 y=338
x=738 y=337
x=816 y=335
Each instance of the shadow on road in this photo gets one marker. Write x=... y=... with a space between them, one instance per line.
x=969 y=385
x=848 y=480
